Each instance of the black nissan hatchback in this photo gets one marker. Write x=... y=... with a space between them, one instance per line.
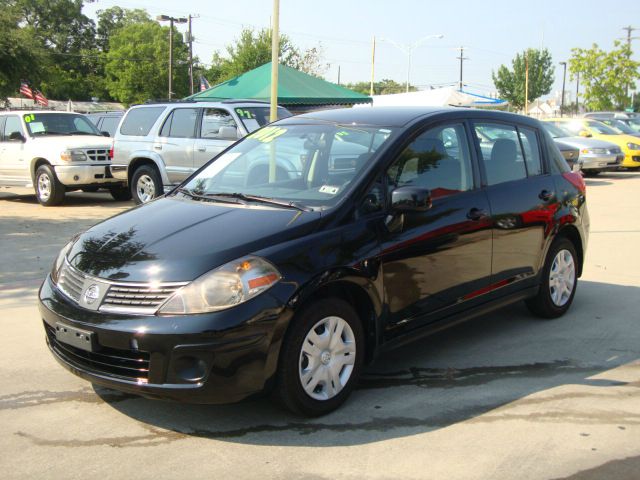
x=301 y=252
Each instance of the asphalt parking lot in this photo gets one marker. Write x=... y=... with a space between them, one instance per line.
x=505 y=396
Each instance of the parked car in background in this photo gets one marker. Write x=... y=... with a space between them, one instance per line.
x=586 y=127
x=630 y=119
x=399 y=224
x=159 y=145
x=106 y=121
x=55 y=152
x=594 y=156
x=569 y=153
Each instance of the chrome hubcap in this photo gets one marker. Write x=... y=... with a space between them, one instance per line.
x=145 y=188
x=562 y=277
x=44 y=187
x=327 y=358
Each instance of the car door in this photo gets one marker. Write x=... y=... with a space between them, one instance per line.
x=522 y=198
x=14 y=166
x=176 y=141
x=435 y=260
x=217 y=131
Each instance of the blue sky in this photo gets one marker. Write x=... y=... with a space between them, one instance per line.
x=492 y=32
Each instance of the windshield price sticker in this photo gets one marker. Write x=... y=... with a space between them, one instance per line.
x=29 y=117
x=245 y=113
x=331 y=190
x=268 y=134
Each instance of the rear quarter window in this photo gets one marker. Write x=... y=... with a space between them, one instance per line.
x=139 y=121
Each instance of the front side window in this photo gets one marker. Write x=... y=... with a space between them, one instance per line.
x=307 y=164
x=46 y=123
x=437 y=160
x=501 y=153
x=218 y=124
x=12 y=125
x=180 y=123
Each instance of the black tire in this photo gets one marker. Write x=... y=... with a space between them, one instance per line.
x=49 y=190
x=591 y=173
x=120 y=193
x=543 y=304
x=149 y=175
x=289 y=390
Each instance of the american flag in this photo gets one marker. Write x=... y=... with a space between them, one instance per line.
x=41 y=99
x=25 y=90
x=204 y=85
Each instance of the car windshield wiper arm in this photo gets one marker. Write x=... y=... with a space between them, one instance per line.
x=258 y=199
x=207 y=197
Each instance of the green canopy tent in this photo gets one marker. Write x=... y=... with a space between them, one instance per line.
x=296 y=90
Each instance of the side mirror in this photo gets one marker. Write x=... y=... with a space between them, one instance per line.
x=228 y=133
x=410 y=199
x=105 y=133
x=17 y=137
x=584 y=133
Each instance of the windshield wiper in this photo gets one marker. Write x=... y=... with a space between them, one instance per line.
x=266 y=200
x=197 y=196
x=78 y=132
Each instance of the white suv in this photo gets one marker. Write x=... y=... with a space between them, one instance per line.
x=159 y=145
x=55 y=152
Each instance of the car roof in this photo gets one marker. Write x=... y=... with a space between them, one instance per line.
x=26 y=112
x=217 y=103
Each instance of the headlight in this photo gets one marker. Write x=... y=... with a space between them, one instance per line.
x=57 y=265
x=586 y=151
x=226 y=286
x=633 y=146
x=73 y=156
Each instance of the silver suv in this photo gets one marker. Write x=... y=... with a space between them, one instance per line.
x=159 y=145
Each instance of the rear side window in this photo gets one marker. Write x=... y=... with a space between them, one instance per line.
x=501 y=153
x=213 y=119
x=180 y=123
x=140 y=120
x=532 y=159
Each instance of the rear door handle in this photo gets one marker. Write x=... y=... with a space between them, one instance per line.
x=202 y=149
x=157 y=147
x=476 y=214
x=546 y=195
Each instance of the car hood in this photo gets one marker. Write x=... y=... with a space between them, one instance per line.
x=174 y=239
x=582 y=142
x=63 y=142
x=620 y=140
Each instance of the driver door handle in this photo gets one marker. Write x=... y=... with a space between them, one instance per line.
x=476 y=214
x=202 y=148
x=157 y=147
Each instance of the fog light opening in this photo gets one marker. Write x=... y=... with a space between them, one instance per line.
x=190 y=368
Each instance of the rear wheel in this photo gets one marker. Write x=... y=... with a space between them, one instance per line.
x=559 y=281
x=591 y=173
x=49 y=190
x=321 y=358
x=145 y=184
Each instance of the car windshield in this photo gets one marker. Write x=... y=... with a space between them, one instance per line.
x=619 y=126
x=634 y=124
x=294 y=166
x=255 y=117
x=556 y=131
x=601 y=128
x=47 y=123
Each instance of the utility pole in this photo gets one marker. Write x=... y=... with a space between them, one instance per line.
x=629 y=30
x=577 y=92
x=462 y=58
x=171 y=20
x=408 y=49
x=338 y=74
x=275 y=50
x=191 y=54
x=373 y=60
x=564 y=77
x=526 y=83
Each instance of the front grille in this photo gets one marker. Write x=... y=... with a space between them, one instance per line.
x=138 y=297
x=98 y=155
x=636 y=158
x=71 y=281
x=130 y=365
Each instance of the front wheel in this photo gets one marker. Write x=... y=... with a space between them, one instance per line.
x=559 y=281
x=49 y=190
x=120 y=193
x=591 y=173
x=145 y=184
x=321 y=358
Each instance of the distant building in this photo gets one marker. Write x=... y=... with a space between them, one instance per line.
x=66 y=106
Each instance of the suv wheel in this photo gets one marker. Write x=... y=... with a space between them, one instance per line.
x=559 y=281
x=145 y=184
x=321 y=358
x=49 y=190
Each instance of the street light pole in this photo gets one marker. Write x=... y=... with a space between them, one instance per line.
x=408 y=50
x=171 y=20
x=577 y=92
x=564 y=77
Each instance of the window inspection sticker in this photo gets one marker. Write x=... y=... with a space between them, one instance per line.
x=330 y=189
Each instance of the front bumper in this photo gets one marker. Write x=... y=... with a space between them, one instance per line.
x=631 y=159
x=221 y=357
x=599 y=162
x=71 y=175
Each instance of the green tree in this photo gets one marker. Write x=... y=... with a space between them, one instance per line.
x=383 y=87
x=21 y=56
x=137 y=63
x=114 y=18
x=605 y=76
x=510 y=83
x=253 y=49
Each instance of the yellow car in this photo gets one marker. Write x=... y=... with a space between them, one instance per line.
x=586 y=127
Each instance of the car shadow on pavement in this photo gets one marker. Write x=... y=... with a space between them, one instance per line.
x=71 y=199
x=461 y=374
